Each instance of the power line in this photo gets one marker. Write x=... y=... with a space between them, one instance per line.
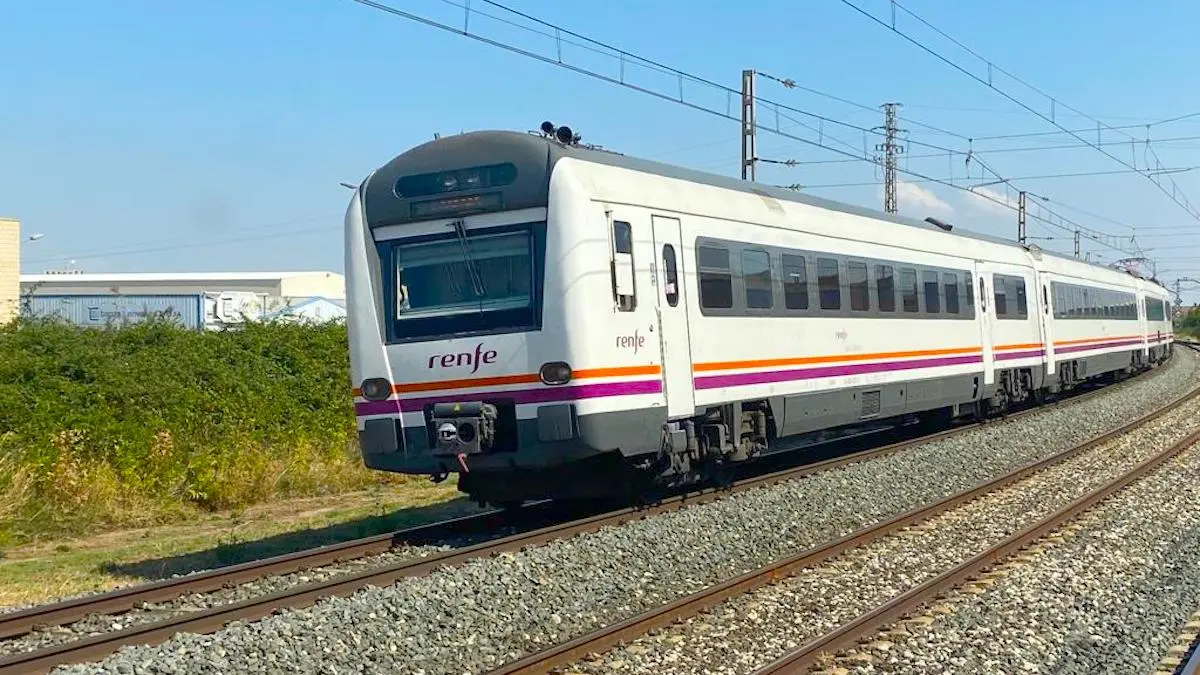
x=1041 y=177
x=1174 y=193
x=998 y=151
x=679 y=95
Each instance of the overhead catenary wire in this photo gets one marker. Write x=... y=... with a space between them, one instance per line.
x=1174 y=194
x=679 y=95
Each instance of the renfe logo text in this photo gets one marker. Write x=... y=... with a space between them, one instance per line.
x=464 y=358
x=635 y=341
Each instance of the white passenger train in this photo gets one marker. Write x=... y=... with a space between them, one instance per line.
x=551 y=320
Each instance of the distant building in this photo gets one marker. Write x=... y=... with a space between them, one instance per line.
x=270 y=284
x=209 y=300
x=10 y=269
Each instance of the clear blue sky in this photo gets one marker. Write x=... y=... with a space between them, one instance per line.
x=144 y=136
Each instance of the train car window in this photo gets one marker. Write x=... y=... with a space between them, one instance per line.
x=885 y=288
x=970 y=292
x=1000 y=291
x=860 y=290
x=671 y=275
x=950 y=290
x=1022 y=301
x=756 y=278
x=716 y=280
x=828 y=285
x=909 y=291
x=795 y=282
x=929 y=281
x=622 y=237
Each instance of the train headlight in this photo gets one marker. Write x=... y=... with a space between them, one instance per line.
x=555 y=372
x=376 y=389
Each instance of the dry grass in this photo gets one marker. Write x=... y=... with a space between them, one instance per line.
x=39 y=571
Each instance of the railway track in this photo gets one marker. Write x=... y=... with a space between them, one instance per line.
x=848 y=633
x=92 y=647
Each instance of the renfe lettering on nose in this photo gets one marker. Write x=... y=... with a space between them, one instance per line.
x=472 y=359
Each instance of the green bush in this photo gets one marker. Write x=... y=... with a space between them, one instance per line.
x=148 y=422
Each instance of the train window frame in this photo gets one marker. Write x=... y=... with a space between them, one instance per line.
x=1000 y=295
x=823 y=288
x=950 y=293
x=743 y=257
x=1084 y=301
x=670 y=275
x=910 y=291
x=969 y=286
x=787 y=277
x=930 y=281
x=492 y=322
x=713 y=273
x=858 y=289
x=622 y=244
x=888 y=307
x=1022 y=298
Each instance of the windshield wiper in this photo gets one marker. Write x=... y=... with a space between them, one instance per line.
x=472 y=271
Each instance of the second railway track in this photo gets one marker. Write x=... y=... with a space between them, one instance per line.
x=824 y=585
x=211 y=619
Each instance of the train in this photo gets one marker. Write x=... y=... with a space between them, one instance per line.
x=552 y=320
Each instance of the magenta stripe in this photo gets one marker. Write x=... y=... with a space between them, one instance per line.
x=740 y=379
x=1006 y=356
x=539 y=395
x=1100 y=345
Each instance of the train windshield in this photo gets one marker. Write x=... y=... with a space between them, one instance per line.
x=467 y=282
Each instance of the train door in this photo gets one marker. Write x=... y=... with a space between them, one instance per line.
x=1046 y=319
x=983 y=278
x=673 y=336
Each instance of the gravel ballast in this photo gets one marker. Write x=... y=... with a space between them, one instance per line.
x=489 y=611
x=747 y=632
x=1109 y=595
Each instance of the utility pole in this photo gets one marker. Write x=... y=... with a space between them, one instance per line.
x=748 y=125
x=1021 y=218
x=1076 y=243
x=891 y=152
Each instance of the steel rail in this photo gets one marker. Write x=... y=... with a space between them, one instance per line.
x=607 y=637
x=18 y=623
x=212 y=619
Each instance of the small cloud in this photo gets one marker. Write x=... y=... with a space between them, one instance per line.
x=911 y=195
x=992 y=200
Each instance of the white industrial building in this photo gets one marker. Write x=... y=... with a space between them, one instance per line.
x=271 y=284
x=10 y=268
x=208 y=299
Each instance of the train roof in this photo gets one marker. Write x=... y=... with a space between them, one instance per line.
x=535 y=156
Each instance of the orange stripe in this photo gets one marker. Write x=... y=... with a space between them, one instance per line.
x=805 y=360
x=1029 y=345
x=1098 y=339
x=527 y=378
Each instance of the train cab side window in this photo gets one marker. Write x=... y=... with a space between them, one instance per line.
x=623 y=274
x=795 y=281
x=929 y=281
x=950 y=290
x=716 y=281
x=885 y=288
x=1000 y=291
x=756 y=278
x=909 y=291
x=828 y=283
x=970 y=292
x=860 y=290
x=671 y=275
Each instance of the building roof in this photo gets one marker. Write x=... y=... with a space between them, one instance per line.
x=167 y=276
